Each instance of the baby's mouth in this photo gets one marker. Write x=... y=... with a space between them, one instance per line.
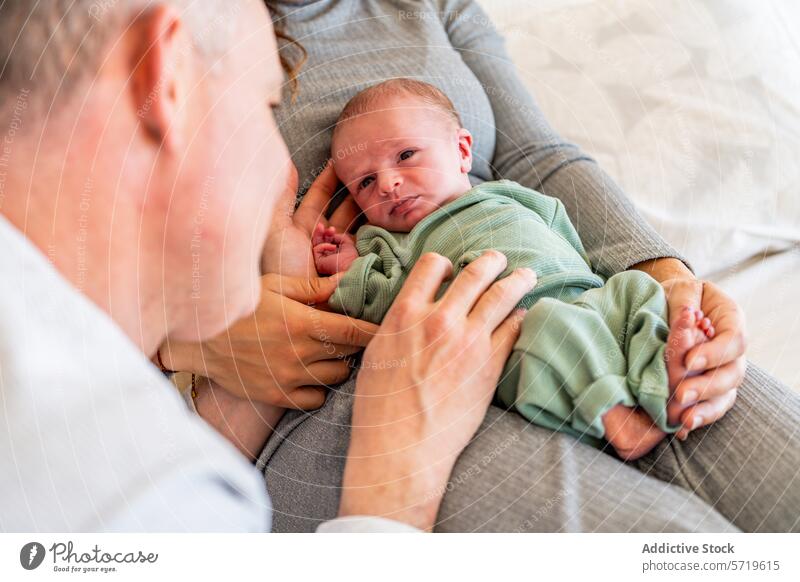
x=403 y=205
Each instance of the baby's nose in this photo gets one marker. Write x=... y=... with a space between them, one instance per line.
x=390 y=182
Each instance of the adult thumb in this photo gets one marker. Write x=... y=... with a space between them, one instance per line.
x=304 y=289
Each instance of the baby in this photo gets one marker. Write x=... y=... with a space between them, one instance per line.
x=591 y=359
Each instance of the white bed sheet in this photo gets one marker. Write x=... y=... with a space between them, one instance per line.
x=693 y=108
x=768 y=289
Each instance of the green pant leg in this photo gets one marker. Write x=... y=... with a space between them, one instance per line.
x=634 y=307
x=565 y=370
x=574 y=361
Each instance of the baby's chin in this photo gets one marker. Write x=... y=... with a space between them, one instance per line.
x=405 y=223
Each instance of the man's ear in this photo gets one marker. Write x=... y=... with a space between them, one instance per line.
x=465 y=149
x=162 y=55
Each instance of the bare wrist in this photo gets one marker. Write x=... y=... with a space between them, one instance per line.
x=664 y=268
x=247 y=424
x=402 y=501
x=407 y=490
x=178 y=356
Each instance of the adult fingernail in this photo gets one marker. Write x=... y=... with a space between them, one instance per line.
x=698 y=420
x=688 y=397
x=698 y=363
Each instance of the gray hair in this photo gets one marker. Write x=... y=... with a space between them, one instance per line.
x=51 y=45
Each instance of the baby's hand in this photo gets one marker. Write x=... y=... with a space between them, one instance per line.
x=631 y=431
x=333 y=252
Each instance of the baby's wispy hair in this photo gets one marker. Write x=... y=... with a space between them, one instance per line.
x=372 y=97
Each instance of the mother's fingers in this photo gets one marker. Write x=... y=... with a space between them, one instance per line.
x=711 y=384
x=345 y=215
x=335 y=328
x=316 y=200
x=705 y=413
x=329 y=373
x=304 y=398
x=680 y=293
x=727 y=345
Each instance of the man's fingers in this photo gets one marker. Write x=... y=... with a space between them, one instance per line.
x=345 y=215
x=424 y=280
x=342 y=330
x=494 y=305
x=505 y=336
x=316 y=200
x=470 y=284
x=711 y=384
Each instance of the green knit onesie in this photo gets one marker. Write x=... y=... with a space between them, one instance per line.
x=585 y=345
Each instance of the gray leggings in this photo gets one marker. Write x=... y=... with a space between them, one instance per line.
x=739 y=474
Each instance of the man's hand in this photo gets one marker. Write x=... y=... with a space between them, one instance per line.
x=426 y=381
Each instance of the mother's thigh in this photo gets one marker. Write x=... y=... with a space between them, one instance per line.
x=512 y=477
x=747 y=464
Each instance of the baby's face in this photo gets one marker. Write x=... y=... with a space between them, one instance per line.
x=402 y=161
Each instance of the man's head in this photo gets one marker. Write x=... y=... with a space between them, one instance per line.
x=401 y=151
x=154 y=118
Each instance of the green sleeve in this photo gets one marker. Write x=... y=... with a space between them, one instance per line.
x=374 y=279
x=561 y=224
x=552 y=212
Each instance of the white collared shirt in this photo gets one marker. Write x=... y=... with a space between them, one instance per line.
x=92 y=437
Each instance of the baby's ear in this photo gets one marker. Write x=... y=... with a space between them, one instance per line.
x=465 y=149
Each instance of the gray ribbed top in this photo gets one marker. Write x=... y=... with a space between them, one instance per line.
x=453 y=45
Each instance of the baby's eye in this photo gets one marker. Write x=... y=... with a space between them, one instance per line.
x=406 y=154
x=365 y=182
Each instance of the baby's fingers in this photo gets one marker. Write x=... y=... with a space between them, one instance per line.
x=325 y=249
x=318 y=235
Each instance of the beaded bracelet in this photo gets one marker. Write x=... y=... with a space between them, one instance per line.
x=161 y=366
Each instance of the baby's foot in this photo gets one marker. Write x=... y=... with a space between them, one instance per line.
x=631 y=432
x=690 y=329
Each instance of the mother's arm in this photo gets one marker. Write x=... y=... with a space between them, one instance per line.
x=615 y=236
x=530 y=152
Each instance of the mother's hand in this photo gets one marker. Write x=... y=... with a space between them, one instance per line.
x=426 y=382
x=718 y=366
x=284 y=352
x=288 y=247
